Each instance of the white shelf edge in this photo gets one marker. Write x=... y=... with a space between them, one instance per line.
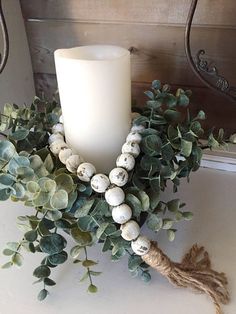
x=218 y=162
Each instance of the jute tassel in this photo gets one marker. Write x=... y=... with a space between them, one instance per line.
x=194 y=272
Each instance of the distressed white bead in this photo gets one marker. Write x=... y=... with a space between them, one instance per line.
x=54 y=137
x=134 y=137
x=137 y=128
x=125 y=161
x=130 y=230
x=85 y=171
x=232 y=138
x=115 y=196
x=58 y=128
x=131 y=148
x=118 y=176
x=121 y=214
x=64 y=154
x=73 y=162
x=57 y=146
x=100 y=182
x=141 y=245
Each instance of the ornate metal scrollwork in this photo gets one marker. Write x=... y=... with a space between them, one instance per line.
x=5 y=54
x=201 y=67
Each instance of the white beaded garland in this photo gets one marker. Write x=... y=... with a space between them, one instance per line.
x=73 y=162
x=130 y=230
x=114 y=196
x=125 y=161
x=121 y=214
x=141 y=245
x=85 y=171
x=58 y=128
x=54 y=137
x=134 y=137
x=64 y=154
x=100 y=182
x=118 y=176
x=131 y=148
x=57 y=146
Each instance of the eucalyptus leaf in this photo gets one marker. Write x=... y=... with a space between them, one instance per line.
x=31 y=236
x=84 y=209
x=42 y=294
x=64 y=182
x=52 y=244
x=42 y=271
x=17 y=259
x=92 y=288
x=19 y=134
x=186 y=148
x=89 y=263
x=7 y=150
x=58 y=258
x=59 y=200
x=54 y=215
x=101 y=229
x=135 y=204
x=75 y=251
x=81 y=237
x=171 y=234
x=154 y=222
x=173 y=205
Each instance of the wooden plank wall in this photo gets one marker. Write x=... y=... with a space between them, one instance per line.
x=154 y=27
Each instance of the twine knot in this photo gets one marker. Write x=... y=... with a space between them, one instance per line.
x=194 y=271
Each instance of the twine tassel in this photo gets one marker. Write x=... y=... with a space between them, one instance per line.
x=193 y=272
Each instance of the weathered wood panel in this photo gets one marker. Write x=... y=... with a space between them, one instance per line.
x=209 y=12
x=160 y=49
x=221 y=112
x=154 y=27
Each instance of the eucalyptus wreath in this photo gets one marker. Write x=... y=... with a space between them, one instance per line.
x=60 y=204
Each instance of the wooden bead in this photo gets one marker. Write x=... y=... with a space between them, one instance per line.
x=58 y=128
x=118 y=176
x=125 y=161
x=57 y=146
x=141 y=245
x=131 y=148
x=73 y=162
x=115 y=196
x=121 y=214
x=137 y=128
x=100 y=183
x=85 y=171
x=54 y=137
x=64 y=154
x=130 y=230
x=134 y=137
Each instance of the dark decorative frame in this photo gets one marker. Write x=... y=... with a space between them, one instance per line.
x=201 y=67
x=4 y=56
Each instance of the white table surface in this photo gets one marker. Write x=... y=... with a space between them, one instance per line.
x=210 y=195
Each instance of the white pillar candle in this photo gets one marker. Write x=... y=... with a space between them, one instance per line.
x=95 y=93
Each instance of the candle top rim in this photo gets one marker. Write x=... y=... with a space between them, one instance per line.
x=99 y=53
